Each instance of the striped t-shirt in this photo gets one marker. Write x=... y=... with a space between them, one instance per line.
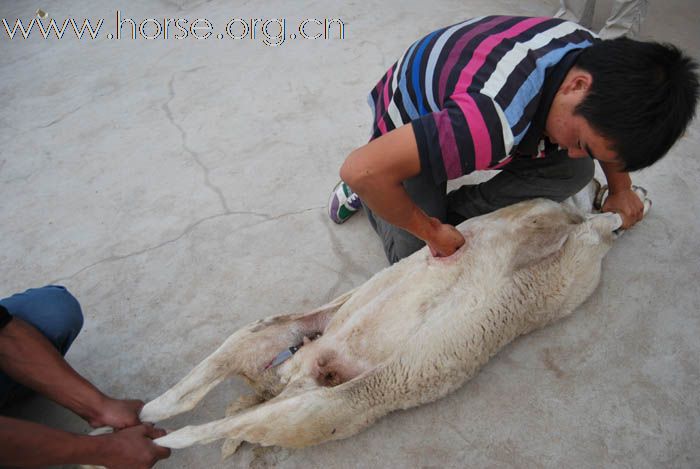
x=472 y=90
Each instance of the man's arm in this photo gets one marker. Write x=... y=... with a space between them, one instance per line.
x=376 y=172
x=30 y=359
x=621 y=198
x=26 y=444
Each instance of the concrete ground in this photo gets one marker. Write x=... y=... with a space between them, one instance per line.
x=177 y=188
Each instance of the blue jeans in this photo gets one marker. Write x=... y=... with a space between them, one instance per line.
x=54 y=312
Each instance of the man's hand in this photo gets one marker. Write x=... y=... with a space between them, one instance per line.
x=117 y=413
x=444 y=239
x=28 y=444
x=627 y=204
x=133 y=448
x=621 y=198
x=30 y=359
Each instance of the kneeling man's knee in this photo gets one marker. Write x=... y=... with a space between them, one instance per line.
x=57 y=315
x=67 y=311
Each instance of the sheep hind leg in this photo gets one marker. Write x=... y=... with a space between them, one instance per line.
x=304 y=418
x=245 y=352
x=231 y=444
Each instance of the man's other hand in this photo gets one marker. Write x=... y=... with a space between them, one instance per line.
x=444 y=239
x=627 y=204
x=117 y=413
x=133 y=448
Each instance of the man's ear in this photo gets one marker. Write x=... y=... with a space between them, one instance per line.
x=577 y=80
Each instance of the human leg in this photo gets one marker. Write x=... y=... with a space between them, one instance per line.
x=431 y=198
x=625 y=19
x=579 y=11
x=555 y=177
x=54 y=312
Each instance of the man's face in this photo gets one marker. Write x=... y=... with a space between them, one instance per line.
x=570 y=131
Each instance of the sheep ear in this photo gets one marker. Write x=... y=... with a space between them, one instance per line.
x=539 y=239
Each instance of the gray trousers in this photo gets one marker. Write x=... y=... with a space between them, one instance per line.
x=555 y=177
x=625 y=18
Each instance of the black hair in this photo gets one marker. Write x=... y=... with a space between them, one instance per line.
x=642 y=97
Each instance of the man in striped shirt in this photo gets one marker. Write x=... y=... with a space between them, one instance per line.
x=530 y=96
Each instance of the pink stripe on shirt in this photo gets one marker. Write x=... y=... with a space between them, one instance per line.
x=448 y=144
x=457 y=50
x=471 y=112
x=477 y=129
x=380 y=121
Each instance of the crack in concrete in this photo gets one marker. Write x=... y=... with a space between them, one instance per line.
x=45 y=126
x=24 y=178
x=324 y=266
x=92 y=99
x=346 y=264
x=142 y=251
x=457 y=431
x=187 y=230
x=298 y=212
x=60 y=118
x=183 y=136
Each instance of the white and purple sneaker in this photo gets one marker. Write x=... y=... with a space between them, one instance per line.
x=343 y=203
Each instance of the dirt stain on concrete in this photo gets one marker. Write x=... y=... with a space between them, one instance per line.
x=268 y=456
x=548 y=360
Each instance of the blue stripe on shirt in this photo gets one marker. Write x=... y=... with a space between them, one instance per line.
x=415 y=77
x=533 y=84
x=409 y=107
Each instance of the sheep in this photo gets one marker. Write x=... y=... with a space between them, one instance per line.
x=411 y=334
